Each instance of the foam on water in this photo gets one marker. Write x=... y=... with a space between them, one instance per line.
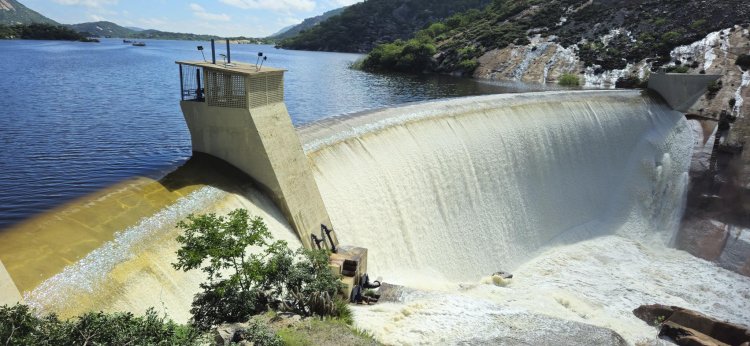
x=88 y=274
x=578 y=193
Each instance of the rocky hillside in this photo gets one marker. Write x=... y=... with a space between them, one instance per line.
x=361 y=26
x=13 y=12
x=603 y=34
x=306 y=24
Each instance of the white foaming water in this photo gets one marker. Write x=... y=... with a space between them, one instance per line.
x=87 y=275
x=578 y=192
x=462 y=188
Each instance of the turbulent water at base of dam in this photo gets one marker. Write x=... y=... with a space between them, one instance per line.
x=577 y=193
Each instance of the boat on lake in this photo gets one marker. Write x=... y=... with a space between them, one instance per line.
x=139 y=44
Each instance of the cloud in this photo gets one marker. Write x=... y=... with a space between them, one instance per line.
x=274 y=5
x=97 y=18
x=201 y=13
x=87 y=3
x=346 y=2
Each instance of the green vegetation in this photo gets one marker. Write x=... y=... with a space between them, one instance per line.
x=653 y=30
x=631 y=82
x=19 y=326
x=314 y=331
x=678 y=69
x=240 y=285
x=569 y=79
x=361 y=26
x=41 y=32
x=414 y=55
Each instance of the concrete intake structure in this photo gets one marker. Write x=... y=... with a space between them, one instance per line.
x=236 y=112
x=680 y=90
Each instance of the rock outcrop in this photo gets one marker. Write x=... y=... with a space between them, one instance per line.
x=688 y=327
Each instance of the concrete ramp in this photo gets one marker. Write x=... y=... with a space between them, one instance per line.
x=9 y=294
x=681 y=90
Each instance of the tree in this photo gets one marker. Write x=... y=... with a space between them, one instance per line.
x=241 y=283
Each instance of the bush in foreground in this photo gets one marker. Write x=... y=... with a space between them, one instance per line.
x=19 y=326
x=242 y=284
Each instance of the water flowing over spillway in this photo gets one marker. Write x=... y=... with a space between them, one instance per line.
x=577 y=193
x=463 y=188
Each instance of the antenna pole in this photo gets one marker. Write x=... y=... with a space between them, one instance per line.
x=229 y=55
x=213 y=52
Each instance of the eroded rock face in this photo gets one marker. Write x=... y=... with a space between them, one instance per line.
x=688 y=327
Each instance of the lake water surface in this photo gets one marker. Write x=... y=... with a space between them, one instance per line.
x=76 y=117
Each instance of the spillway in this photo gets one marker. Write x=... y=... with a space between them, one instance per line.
x=462 y=188
x=577 y=193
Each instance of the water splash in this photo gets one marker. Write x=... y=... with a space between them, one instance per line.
x=88 y=274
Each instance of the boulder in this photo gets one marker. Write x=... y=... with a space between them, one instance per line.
x=736 y=254
x=702 y=238
x=226 y=334
x=688 y=327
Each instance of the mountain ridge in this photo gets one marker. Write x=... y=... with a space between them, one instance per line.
x=307 y=24
x=13 y=12
x=361 y=26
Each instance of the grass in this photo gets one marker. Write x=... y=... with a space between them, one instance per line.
x=316 y=331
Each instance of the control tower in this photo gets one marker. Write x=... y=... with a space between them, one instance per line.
x=236 y=112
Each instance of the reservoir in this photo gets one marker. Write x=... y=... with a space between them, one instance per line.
x=76 y=117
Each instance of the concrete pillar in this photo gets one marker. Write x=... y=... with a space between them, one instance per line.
x=260 y=140
x=681 y=90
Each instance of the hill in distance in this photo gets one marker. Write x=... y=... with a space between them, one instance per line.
x=362 y=26
x=102 y=29
x=13 y=12
x=307 y=24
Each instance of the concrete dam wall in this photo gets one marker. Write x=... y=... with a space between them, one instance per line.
x=577 y=193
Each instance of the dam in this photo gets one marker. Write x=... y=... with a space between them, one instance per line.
x=578 y=193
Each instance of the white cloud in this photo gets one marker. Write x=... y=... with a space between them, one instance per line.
x=201 y=13
x=87 y=3
x=97 y=18
x=274 y=5
x=345 y=2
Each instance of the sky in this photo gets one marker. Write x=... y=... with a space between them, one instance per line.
x=250 y=18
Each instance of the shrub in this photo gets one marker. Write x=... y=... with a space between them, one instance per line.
x=678 y=69
x=241 y=284
x=19 y=326
x=697 y=24
x=743 y=61
x=468 y=65
x=569 y=79
x=631 y=82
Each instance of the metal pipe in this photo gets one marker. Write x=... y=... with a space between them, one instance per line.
x=182 y=85
x=198 y=91
x=328 y=234
x=213 y=52
x=229 y=55
x=316 y=241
